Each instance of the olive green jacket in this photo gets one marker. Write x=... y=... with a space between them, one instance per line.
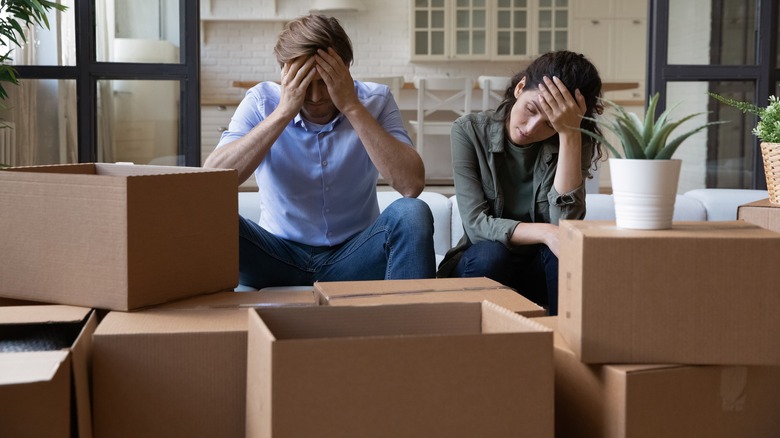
x=478 y=142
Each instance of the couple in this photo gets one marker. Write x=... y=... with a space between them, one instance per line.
x=317 y=142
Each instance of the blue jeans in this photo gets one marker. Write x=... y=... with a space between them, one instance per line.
x=399 y=245
x=536 y=278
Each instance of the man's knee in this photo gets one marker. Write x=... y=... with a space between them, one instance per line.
x=411 y=212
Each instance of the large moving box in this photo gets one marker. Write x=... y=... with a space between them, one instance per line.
x=699 y=293
x=413 y=370
x=762 y=213
x=179 y=369
x=44 y=380
x=650 y=401
x=116 y=236
x=434 y=290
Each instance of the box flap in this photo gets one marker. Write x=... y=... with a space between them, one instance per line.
x=338 y=289
x=172 y=321
x=253 y=299
x=30 y=367
x=42 y=314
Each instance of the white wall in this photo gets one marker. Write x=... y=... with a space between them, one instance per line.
x=243 y=51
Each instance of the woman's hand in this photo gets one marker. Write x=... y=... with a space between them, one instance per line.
x=562 y=109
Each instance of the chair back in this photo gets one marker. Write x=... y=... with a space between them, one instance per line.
x=493 y=90
x=439 y=102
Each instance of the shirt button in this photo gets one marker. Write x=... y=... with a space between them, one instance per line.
x=325 y=163
x=327 y=188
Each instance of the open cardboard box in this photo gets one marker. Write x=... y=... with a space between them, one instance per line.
x=443 y=369
x=699 y=293
x=178 y=369
x=657 y=400
x=115 y=236
x=44 y=380
x=434 y=290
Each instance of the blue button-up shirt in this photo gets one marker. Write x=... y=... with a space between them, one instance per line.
x=317 y=184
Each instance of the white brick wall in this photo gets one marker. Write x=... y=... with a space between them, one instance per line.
x=243 y=50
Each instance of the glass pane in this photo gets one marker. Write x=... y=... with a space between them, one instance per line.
x=463 y=3
x=421 y=43
x=462 y=19
x=727 y=39
x=462 y=42
x=479 y=3
x=43 y=46
x=137 y=31
x=521 y=19
x=520 y=44
x=479 y=19
x=545 y=3
x=560 y=40
x=561 y=3
x=138 y=121
x=437 y=19
x=479 y=42
x=545 y=41
x=421 y=19
x=437 y=43
x=521 y=3
x=721 y=156
x=545 y=19
x=437 y=3
x=503 y=43
x=561 y=19
x=39 y=123
x=421 y=3
x=503 y=3
x=504 y=20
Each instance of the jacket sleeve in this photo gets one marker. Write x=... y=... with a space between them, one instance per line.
x=476 y=193
x=571 y=205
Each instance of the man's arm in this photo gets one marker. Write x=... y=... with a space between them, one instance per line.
x=246 y=153
x=394 y=159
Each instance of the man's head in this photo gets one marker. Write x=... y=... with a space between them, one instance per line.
x=304 y=35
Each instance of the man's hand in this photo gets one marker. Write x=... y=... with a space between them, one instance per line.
x=296 y=77
x=335 y=73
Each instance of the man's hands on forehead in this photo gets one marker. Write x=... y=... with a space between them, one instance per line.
x=298 y=74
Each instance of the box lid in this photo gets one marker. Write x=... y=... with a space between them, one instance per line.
x=340 y=289
x=30 y=366
x=229 y=299
x=42 y=314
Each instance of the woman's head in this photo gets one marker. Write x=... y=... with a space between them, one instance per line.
x=576 y=73
x=305 y=35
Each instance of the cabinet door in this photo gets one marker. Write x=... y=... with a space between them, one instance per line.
x=430 y=27
x=594 y=8
x=552 y=18
x=630 y=48
x=512 y=35
x=594 y=39
x=214 y=119
x=470 y=29
x=632 y=9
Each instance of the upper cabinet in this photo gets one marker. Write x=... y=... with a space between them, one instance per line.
x=487 y=29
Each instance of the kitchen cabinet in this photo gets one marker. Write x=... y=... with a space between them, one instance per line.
x=214 y=119
x=487 y=29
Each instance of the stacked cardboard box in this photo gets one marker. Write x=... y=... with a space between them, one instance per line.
x=762 y=213
x=668 y=332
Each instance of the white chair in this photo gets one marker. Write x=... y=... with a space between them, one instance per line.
x=439 y=102
x=493 y=89
x=394 y=82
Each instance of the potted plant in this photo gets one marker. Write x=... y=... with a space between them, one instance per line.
x=767 y=131
x=644 y=175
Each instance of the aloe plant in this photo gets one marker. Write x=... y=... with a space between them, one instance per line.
x=768 y=127
x=643 y=139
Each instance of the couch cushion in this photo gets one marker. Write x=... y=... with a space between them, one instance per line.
x=722 y=204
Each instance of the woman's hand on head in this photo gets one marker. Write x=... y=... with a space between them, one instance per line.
x=562 y=109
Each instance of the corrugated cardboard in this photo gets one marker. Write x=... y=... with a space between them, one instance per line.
x=44 y=356
x=762 y=213
x=116 y=236
x=376 y=295
x=636 y=401
x=178 y=369
x=434 y=290
x=414 y=370
x=699 y=293
x=261 y=298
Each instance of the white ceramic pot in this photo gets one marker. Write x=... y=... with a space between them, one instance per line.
x=644 y=192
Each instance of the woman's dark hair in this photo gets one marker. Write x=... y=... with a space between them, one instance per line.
x=576 y=72
x=305 y=35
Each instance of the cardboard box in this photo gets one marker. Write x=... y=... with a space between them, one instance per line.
x=413 y=370
x=762 y=213
x=117 y=236
x=178 y=369
x=435 y=290
x=699 y=293
x=44 y=380
x=254 y=299
x=632 y=401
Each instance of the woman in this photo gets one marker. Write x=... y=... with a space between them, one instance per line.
x=520 y=169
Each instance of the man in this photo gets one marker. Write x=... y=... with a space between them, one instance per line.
x=317 y=143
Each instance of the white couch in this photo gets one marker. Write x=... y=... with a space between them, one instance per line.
x=695 y=205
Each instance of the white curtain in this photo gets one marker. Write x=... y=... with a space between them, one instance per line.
x=104 y=12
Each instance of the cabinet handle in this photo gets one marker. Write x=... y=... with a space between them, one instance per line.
x=222 y=128
x=595 y=22
x=221 y=107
